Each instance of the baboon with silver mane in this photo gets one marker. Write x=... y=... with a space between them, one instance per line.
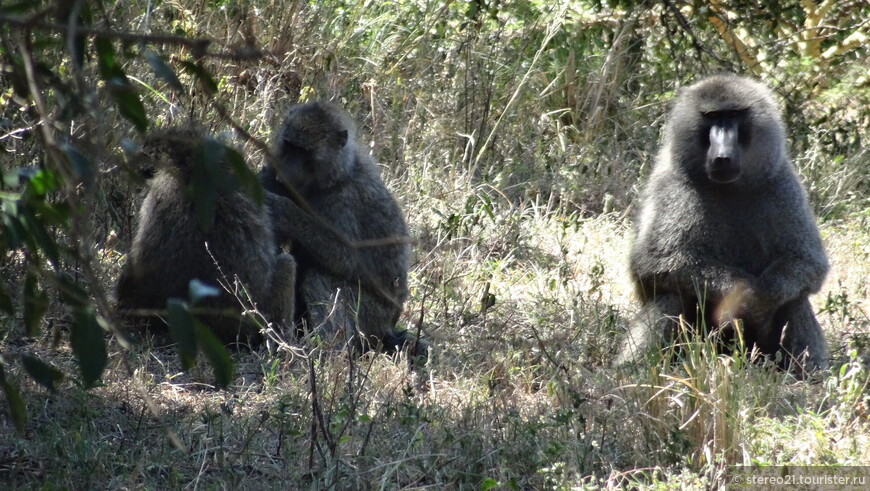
x=347 y=231
x=725 y=231
x=171 y=247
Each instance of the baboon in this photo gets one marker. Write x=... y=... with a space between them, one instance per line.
x=725 y=231
x=171 y=247
x=347 y=292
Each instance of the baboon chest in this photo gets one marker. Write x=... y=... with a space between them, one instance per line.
x=737 y=236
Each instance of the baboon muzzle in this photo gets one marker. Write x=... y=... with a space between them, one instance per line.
x=723 y=156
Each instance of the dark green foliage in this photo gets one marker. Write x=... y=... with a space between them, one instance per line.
x=504 y=129
x=45 y=374
x=216 y=353
x=5 y=299
x=35 y=303
x=13 y=399
x=210 y=179
x=181 y=323
x=119 y=85
x=162 y=70
x=197 y=70
x=89 y=345
x=46 y=215
x=192 y=336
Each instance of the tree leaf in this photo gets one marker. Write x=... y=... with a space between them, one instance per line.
x=202 y=189
x=63 y=12
x=214 y=156
x=81 y=165
x=198 y=71
x=71 y=293
x=35 y=303
x=45 y=374
x=162 y=70
x=129 y=104
x=487 y=484
x=105 y=57
x=42 y=182
x=19 y=7
x=216 y=353
x=12 y=178
x=245 y=177
x=13 y=400
x=51 y=213
x=181 y=327
x=38 y=234
x=13 y=231
x=88 y=345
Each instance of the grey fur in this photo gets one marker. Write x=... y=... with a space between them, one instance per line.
x=169 y=248
x=352 y=294
x=747 y=246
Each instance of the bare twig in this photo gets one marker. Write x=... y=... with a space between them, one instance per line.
x=198 y=46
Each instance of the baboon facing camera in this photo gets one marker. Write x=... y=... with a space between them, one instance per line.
x=171 y=247
x=348 y=293
x=725 y=231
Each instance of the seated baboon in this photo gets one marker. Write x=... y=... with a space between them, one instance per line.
x=348 y=292
x=172 y=247
x=725 y=231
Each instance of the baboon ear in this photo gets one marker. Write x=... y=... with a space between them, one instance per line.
x=341 y=138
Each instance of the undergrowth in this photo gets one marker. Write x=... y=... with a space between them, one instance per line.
x=515 y=138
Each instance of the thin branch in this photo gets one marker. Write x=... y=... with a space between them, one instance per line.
x=199 y=46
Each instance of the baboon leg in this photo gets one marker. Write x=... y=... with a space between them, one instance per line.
x=655 y=325
x=282 y=308
x=331 y=311
x=803 y=341
x=380 y=319
x=396 y=341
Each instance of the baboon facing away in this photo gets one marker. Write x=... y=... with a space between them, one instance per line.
x=171 y=247
x=347 y=292
x=725 y=231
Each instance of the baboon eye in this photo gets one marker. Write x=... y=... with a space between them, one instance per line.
x=341 y=138
x=744 y=133
x=291 y=148
x=704 y=135
x=737 y=114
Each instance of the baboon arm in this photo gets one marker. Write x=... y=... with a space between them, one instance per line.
x=328 y=248
x=791 y=276
x=798 y=264
x=690 y=275
x=722 y=279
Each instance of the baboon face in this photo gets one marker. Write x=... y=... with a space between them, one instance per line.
x=171 y=150
x=315 y=147
x=724 y=132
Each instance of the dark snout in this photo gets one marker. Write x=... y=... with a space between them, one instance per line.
x=723 y=156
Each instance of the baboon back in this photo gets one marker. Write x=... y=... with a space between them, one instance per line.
x=171 y=248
